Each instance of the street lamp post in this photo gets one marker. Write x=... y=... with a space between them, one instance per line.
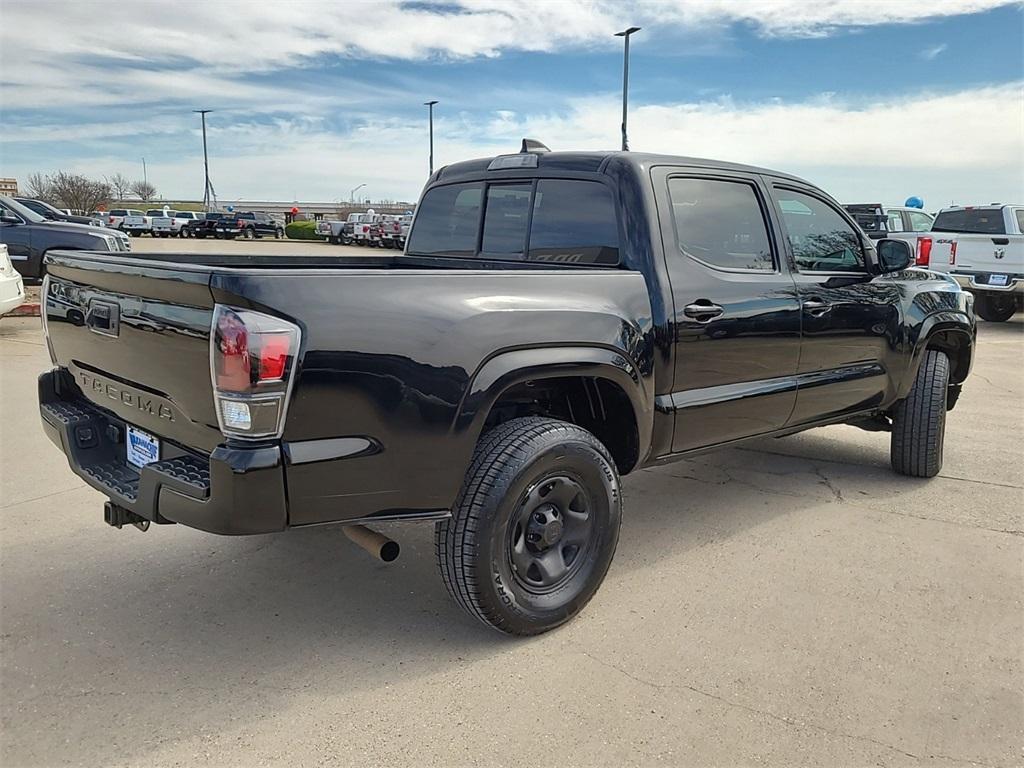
x=430 y=106
x=207 y=188
x=352 y=194
x=625 y=80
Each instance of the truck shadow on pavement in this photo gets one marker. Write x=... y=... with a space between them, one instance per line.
x=184 y=627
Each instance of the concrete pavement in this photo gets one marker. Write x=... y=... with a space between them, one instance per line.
x=788 y=603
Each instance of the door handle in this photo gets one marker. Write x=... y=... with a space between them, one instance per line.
x=702 y=310
x=816 y=307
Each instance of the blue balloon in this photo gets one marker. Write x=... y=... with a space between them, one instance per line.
x=914 y=202
x=230 y=208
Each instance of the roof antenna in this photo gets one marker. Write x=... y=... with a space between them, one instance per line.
x=532 y=145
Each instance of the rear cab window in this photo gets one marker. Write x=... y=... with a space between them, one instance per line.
x=563 y=221
x=972 y=221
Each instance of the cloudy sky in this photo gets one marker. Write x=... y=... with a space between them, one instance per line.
x=875 y=100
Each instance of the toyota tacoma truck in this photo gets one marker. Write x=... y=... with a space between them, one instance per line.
x=556 y=321
x=982 y=248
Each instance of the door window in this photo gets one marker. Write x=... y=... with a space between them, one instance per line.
x=820 y=238
x=895 y=222
x=720 y=223
x=920 y=222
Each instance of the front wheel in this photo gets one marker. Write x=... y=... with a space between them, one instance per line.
x=278 y=233
x=919 y=420
x=249 y=234
x=535 y=526
x=996 y=309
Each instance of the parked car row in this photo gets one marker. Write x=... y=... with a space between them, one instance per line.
x=168 y=223
x=981 y=247
x=376 y=230
x=28 y=236
x=51 y=213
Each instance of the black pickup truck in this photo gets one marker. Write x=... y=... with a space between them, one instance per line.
x=557 y=320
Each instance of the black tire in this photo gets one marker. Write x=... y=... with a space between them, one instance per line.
x=278 y=233
x=996 y=309
x=524 y=470
x=248 y=234
x=919 y=420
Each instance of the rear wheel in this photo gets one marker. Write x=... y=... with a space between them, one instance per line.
x=248 y=234
x=919 y=420
x=535 y=526
x=278 y=233
x=997 y=308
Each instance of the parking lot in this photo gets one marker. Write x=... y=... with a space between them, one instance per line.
x=792 y=602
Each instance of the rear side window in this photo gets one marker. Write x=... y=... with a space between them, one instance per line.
x=720 y=223
x=574 y=223
x=977 y=221
x=1019 y=213
x=895 y=222
x=821 y=239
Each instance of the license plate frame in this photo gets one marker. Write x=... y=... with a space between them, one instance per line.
x=141 y=448
x=1000 y=280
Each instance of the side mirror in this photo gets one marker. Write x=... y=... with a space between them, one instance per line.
x=9 y=218
x=894 y=255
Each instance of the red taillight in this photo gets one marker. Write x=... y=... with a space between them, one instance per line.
x=110 y=220
x=924 y=252
x=252 y=362
x=952 y=252
x=240 y=223
x=232 y=365
x=274 y=353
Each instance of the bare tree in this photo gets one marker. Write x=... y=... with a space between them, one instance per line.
x=79 y=193
x=143 y=190
x=39 y=187
x=120 y=185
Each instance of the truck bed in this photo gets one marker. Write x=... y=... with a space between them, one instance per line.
x=388 y=356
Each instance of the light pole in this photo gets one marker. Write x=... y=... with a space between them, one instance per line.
x=145 y=178
x=207 y=187
x=352 y=194
x=430 y=106
x=624 y=34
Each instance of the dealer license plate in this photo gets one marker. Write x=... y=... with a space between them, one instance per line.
x=142 y=448
x=997 y=279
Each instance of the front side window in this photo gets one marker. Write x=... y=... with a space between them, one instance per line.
x=821 y=239
x=447 y=221
x=720 y=223
x=919 y=222
x=574 y=222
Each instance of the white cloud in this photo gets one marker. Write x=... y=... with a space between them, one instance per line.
x=928 y=54
x=243 y=36
x=942 y=147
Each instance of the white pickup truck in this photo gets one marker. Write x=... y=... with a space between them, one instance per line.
x=982 y=248
x=172 y=223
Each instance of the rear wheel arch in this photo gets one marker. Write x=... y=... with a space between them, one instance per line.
x=596 y=388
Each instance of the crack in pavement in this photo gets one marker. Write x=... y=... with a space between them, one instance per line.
x=784 y=719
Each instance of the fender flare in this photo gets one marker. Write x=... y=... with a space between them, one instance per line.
x=939 y=322
x=508 y=368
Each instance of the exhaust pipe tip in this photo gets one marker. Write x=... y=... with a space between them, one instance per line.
x=376 y=544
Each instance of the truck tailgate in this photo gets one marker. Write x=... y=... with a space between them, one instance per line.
x=989 y=254
x=134 y=335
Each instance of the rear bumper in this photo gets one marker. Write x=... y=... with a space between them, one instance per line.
x=978 y=282
x=12 y=293
x=232 y=491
